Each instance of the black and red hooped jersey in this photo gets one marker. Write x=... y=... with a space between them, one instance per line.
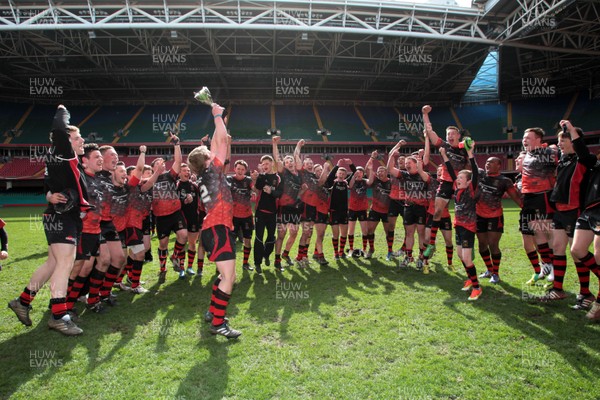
x=241 y=192
x=291 y=185
x=165 y=195
x=381 y=196
x=397 y=190
x=108 y=190
x=91 y=221
x=323 y=200
x=539 y=169
x=310 y=196
x=465 y=201
x=139 y=204
x=491 y=189
x=121 y=208
x=359 y=199
x=215 y=194
x=459 y=159
x=433 y=187
x=416 y=190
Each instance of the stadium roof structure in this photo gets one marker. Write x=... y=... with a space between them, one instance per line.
x=354 y=51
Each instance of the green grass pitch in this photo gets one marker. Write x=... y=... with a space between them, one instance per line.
x=356 y=329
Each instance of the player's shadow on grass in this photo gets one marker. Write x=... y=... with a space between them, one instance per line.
x=355 y=275
x=299 y=290
x=158 y=314
x=33 y=353
x=208 y=380
x=189 y=300
x=35 y=256
x=244 y=281
x=126 y=319
x=277 y=296
x=554 y=325
x=546 y=323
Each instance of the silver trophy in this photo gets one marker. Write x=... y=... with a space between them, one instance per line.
x=204 y=96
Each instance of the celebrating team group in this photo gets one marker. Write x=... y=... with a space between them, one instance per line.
x=101 y=214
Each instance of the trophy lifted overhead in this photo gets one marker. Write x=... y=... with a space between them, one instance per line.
x=204 y=96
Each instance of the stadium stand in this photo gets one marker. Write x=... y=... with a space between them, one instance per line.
x=20 y=167
x=249 y=122
x=23 y=168
x=585 y=113
x=147 y=124
x=411 y=121
x=36 y=126
x=252 y=159
x=359 y=160
x=10 y=115
x=441 y=117
x=295 y=121
x=81 y=114
x=528 y=113
x=383 y=120
x=198 y=122
x=152 y=122
x=192 y=123
x=483 y=122
x=109 y=120
x=344 y=123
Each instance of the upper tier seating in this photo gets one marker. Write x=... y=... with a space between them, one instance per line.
x=146 y=124
x=249 y=122
x=296 y=121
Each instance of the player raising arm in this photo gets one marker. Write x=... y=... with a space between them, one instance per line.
x=465 y=219
x=217 y=228
x=458 y=158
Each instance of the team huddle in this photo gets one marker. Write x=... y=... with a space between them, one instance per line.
x=101 y=214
